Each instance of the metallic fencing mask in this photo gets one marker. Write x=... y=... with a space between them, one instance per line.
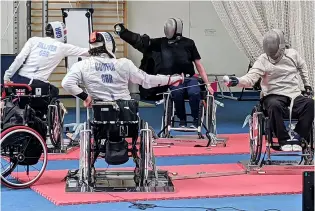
x=274 y=45
x=173 y=27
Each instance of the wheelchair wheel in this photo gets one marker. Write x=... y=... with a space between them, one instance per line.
x=55 y=123
x=256 y=137
x=6 y=171
x=168 y=115
x=308 y=150
x=144 y=154
x=21 y=149
x=308 y=157
x=87 y=152
x=210 y=115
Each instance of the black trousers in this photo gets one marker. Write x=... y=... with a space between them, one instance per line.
x=277 y=108
x=40 y=105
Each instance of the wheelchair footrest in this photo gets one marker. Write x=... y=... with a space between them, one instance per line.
x=276 y=168
x=120 y=181
x=184 y=129
x=282 y=162
x=289 y=154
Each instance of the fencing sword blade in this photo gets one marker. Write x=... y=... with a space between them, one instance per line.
x=184 y=88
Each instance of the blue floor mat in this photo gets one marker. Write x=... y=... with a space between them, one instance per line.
x=27 y=200
x=161 y=161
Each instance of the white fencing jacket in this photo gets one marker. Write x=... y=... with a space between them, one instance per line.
x=41 y=55
x=107 y=79
x=282 y=78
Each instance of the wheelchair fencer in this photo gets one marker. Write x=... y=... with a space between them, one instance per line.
x=105 y=134
x=47 y=108
x=24 y=128
x=206 y=120
x=260 y=126
x=23 y=137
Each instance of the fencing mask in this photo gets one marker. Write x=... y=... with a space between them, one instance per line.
x=274 y=45
x=173 y=28
x=57 y=30
x=104 y=43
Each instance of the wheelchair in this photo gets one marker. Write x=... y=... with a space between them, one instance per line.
x=23 y=133
x=105 y=135
x=206 y=119
x=260 y=127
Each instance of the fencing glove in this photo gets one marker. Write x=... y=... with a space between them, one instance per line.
x=118 y=28
x=233 y=81
x=308 y=91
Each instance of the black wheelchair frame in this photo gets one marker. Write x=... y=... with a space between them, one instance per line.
x=259 y=125
x=22 y=96
x=54 y=116
x=18 y=140
x=108 y=116
x=206 y=119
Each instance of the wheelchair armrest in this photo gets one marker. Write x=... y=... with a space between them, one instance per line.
x=102 y=102
x=16 y=85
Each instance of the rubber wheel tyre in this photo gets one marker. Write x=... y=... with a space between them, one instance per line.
x=209 y=121
x=256 y=137
x=142 y=152
x=169 y=111
x=24 y=129
x=200 y=115
x=55 y=124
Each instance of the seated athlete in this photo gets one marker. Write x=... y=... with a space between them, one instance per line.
x=279 y=69
x=105 y=77
x=39 y=58
x=178 y=55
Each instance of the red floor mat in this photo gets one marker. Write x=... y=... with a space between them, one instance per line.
x=236 y=144
x=52 y=187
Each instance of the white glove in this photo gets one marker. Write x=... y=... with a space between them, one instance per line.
x=176 y=80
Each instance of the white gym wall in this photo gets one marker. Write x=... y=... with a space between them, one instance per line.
x=218 y=52
x=7 y=17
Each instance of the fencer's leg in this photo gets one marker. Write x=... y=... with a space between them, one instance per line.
x=304 y=109
x=276 y=107
x=54 y=91
x=194 y=99
x=40 y=105
x=179 y=101
x=20 y=79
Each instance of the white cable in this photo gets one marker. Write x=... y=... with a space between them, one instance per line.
x=70 y=4
x=117 y=11
x=6 y=30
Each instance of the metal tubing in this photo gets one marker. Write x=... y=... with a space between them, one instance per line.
x=44 y=16
x=84 y=146
x=16 y=26
x=29 y=18
x=77 y=110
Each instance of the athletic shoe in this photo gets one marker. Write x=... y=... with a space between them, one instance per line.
x=296 y=148
x=287 y=148
x=194 y=124
x=182 y=123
